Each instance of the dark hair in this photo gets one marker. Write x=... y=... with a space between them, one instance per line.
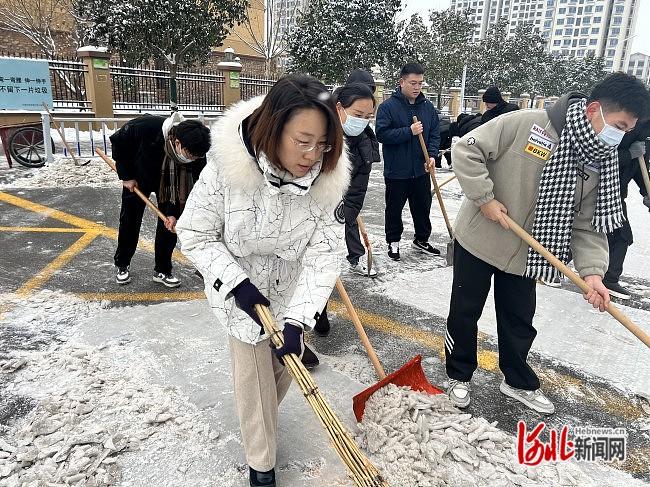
x=622 y=92
x=362 y=76
x=193 y=136
x=287 y=96
x=411 y=68
x=346 y=95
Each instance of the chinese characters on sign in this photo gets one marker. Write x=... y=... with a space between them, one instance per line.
x=24 y=84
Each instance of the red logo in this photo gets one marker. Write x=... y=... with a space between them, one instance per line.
x=532 y=451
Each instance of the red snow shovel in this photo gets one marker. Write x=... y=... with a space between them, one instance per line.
x=409 y=375
x=560 y=266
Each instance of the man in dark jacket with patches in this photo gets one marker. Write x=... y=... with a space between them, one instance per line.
x=635 y=144
x=495 y=104
x=161 y=156
x=405 y=171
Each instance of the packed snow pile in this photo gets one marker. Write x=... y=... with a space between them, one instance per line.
x=420 y=440
x=93 y=404
x=64 y=173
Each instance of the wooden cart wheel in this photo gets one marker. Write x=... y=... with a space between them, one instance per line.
x=26 y=147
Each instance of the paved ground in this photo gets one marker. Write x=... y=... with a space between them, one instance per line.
x=65 y=238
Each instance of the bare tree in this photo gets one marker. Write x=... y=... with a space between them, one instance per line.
x=39 y=21
x=265 y=33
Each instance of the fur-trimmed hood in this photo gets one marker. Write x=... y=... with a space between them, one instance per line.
x=234 y=164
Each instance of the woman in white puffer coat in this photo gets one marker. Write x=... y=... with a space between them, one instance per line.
x=260 y=226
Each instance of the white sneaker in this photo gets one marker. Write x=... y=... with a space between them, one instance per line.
x=533 y=399
x=123 y=276
x=166 y=279
x=458 y=392
x=362 y=269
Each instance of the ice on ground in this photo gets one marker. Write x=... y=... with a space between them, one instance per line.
x=419 y=440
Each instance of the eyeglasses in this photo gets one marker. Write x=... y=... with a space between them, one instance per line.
x=307 y=147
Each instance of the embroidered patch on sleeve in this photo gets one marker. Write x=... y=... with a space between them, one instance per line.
x=217 y=284
x=471 y=141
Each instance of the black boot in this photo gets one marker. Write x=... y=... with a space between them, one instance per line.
x=322 y=327
x=309 y=359
x=262 y=479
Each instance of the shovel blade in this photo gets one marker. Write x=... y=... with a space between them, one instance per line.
x=410 y=375
x=450 y=253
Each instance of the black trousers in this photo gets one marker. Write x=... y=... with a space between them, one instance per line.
x=129 y=233
x=514 y=299
x=417 y=192
x=352 y=236
x=619 y=241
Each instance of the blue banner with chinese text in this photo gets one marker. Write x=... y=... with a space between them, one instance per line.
x=24 y=84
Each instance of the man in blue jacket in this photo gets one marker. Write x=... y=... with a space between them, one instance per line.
x=405 y=172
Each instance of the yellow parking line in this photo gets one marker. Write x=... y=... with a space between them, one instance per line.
x=598 y=396
x=137 y=297
x=62 y=259
x=81 y=223
x=43 y=229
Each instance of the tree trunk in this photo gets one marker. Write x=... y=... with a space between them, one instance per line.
x=173 y=95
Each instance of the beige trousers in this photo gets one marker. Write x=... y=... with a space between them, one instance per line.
x=261 y=383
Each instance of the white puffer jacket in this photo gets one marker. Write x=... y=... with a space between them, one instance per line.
x=285 y=239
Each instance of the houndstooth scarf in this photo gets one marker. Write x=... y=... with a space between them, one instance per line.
x=579 y=144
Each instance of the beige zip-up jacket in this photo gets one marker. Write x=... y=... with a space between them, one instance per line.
x=503 y=159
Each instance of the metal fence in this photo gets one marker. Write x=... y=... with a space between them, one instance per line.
x=252 y=86
x=67 y=78
x=143 y=88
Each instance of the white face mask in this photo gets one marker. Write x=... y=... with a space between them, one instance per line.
x=353 y=126
x=610 y=135
x=181 y=157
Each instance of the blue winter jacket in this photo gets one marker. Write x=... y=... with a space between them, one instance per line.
x=403 y=157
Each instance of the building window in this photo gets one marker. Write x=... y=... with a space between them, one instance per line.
x=574 y=42
x=582 y=42
x=613 y=42
x=586 y=20
x=611 y=52
x=562 y=10
x=549 y=14
x=614 y=31
x=572 y=10
x=584 y=31
x=581 y=52
x=640 y=63
x=609 y=64
x=595 y=30
x=558 y=32
x=597 y=20
x=599 y=8
x=568 y=32
x=639 y=71
x=560 y=21
x=618 y=20
x=547 y=24
x=593 y=42
x=557 y=42
x=618 y=9
x=570 y=21
x=589 y=9
x=566 y=42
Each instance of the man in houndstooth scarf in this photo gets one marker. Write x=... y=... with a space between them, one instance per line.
x=555 y=173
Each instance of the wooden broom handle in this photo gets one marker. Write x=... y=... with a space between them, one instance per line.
x=559 y=265
x=146 y=200
x=362 y=333
x=432 y=173
x=447 y=181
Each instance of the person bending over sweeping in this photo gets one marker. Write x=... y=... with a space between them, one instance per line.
x=260 y=227
x=555 y=173
x=161 y=156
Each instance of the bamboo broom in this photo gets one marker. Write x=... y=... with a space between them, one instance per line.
x=361 y=471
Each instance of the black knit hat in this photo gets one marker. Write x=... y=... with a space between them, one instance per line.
x=362 y=76
x=492 y=95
